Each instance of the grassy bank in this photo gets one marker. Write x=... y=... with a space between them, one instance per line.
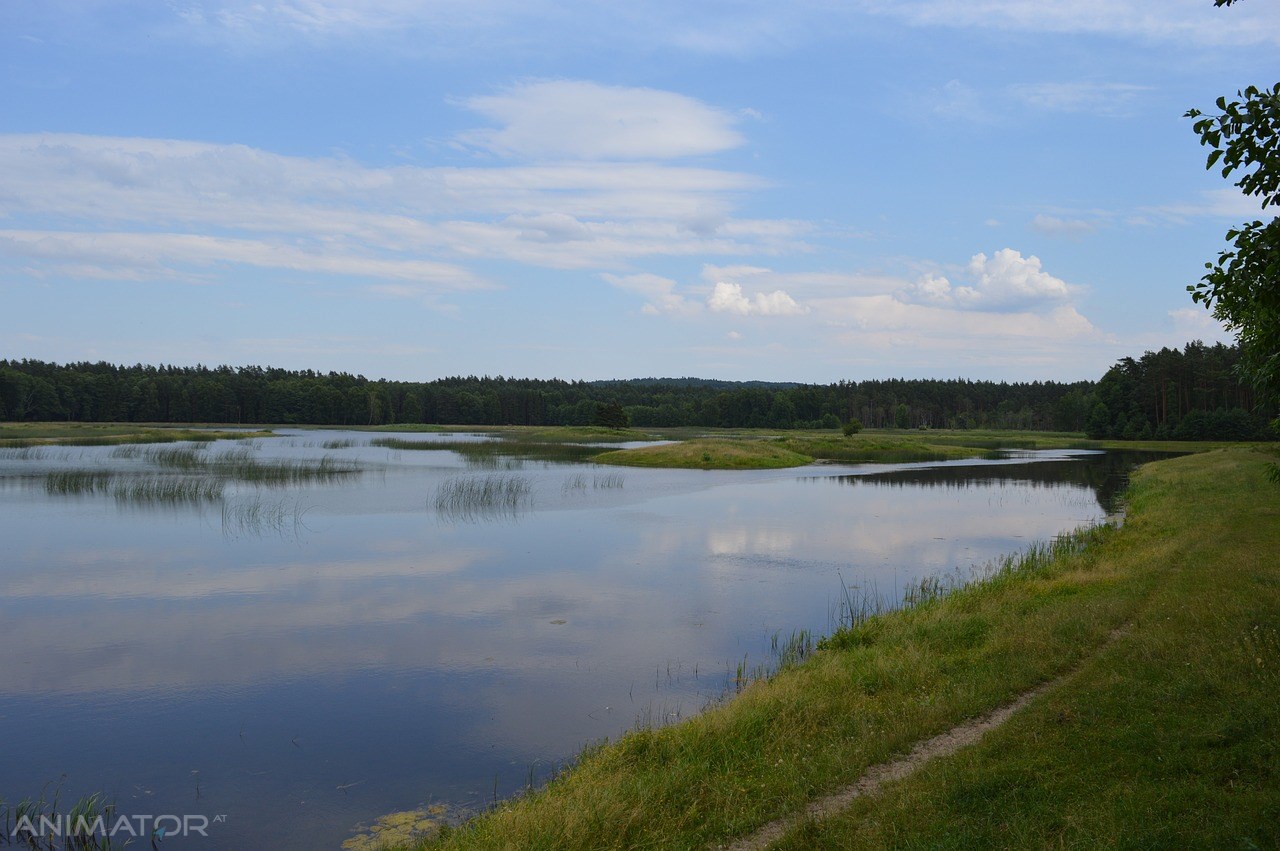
x=708 y=454
x=19 y=435
x=1168 y=733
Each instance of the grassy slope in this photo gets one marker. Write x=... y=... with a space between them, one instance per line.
x=1170 y=732
x=1170 y=738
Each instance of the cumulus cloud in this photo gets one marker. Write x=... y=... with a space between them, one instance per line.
x=578 y=119
x=729 y=298
x=1005 y=281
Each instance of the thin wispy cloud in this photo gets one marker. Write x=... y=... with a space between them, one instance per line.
x=581 y=120
x=589 y=190
x=753 y=27
x=1109 y=99
x=1186 y=21
x=1058 y=226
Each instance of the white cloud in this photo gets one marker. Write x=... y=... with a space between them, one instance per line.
x=1186 y=21
x=1054 y=226
x=577 y=119
x=1197 y=323
x=754 y=26
x=148 y=253
x=729 y=298
x=195 y=203
x=1113 y=99
x=1008 y=279
x=660 y=293
x=1214 y=203
x=958 y=100
x=878 y=328
x=1005 y=281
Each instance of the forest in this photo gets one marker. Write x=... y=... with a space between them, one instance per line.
x=1193 y=393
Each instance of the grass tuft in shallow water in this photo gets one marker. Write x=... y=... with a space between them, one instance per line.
x=479 y=497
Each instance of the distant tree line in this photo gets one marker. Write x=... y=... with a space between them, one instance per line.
x=102 y=392
x=1193 y=394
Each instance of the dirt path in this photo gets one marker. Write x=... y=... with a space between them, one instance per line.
x=876 y=776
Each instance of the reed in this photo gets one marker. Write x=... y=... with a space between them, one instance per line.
x=166 y=490
x=39 y=824
x=257 y=516
x=469 y=498
x=76 y=482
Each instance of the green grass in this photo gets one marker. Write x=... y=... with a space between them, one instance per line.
x=886 y=449
x=1166 y=737
x=1170 y=738
x=583 y=434
x=17 y=435
x=708 y=454
x=492 y=454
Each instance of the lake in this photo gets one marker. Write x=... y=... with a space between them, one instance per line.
x=293 y=636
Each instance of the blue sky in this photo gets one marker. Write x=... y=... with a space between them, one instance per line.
x=803 y=191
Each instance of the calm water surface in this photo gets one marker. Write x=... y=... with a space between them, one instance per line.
x=304 y=657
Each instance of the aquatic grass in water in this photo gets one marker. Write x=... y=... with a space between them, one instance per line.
x=166 y=490
x=73 y=482
x=184 y=458
x=605 y=481
x=39 y=824
x=256 y=516
x=472 y=498
x=22 y=453
x=240 y=465
x=244 y=468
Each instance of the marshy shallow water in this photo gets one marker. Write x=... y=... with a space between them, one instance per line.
x=307 y=632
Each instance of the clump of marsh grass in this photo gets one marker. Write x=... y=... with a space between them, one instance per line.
x=406 y=443
x=339 y=444
x=784 y=653
x=22 y=453
x=599 y=481
x=240 y=465
x=167 y=490
x=245 y=468
x=256 y=516
x=469 y=498
x=185 y=458
x=40 y=825
x=75 y=482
